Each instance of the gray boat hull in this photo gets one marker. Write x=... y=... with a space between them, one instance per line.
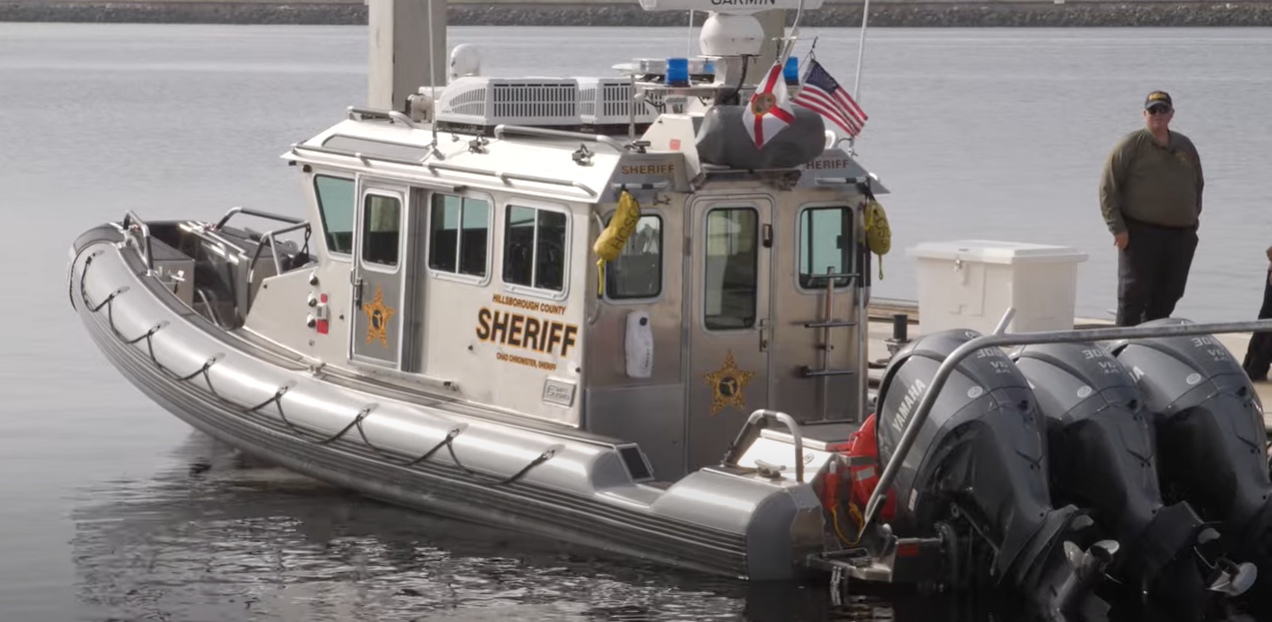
x=422 y=452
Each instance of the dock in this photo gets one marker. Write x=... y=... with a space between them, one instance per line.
x=881 y=311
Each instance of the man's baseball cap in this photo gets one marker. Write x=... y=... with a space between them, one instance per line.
x=1158 y=98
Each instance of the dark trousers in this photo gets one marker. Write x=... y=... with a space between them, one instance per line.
x=1152 y=271
x=1258 y=356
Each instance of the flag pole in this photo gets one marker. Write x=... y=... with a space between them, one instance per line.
x=861 y=52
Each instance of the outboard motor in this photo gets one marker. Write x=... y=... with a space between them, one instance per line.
x=1102 y=456
x=977 y=476
x=1210 y=438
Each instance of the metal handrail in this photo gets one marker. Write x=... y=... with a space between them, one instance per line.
x=839 y=181
x=502 y=129
x=364 y=157
x=1028 y=338
x=231 y=244
x=133 y=221
x=269 y=237
x=251 y=212
x=504 y=177
x=780 y=417
x=380 y=114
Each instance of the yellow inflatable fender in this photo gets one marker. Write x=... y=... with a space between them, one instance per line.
x=878 y=233
x=612 y=240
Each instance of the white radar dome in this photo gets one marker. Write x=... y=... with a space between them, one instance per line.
x=465 y=61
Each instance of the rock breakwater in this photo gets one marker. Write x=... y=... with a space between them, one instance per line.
x=882 y=14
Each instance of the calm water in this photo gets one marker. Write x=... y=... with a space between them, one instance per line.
x=113 y=510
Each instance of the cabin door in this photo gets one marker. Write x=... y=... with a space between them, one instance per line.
x=727 y=289
x=379 y=274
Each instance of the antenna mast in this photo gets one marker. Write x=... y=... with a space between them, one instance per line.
x=861 y=51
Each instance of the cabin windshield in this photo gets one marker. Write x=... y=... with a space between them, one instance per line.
x=335 y=207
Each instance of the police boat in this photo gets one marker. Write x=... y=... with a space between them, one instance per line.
x=593 y=309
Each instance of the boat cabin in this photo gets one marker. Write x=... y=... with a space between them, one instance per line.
x=456 y=255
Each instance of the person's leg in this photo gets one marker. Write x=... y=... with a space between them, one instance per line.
x=1175 y=251
x=1258 y=358
x=1265 y=311
x=1135 y=276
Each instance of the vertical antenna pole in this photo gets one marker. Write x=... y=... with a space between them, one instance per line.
x=432 y=72
x=788 y=46
x=861 y=51
x=689 y=39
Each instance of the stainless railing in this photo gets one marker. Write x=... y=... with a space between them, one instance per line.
x=233 y=211
x=367 y=158
x=132 y=222
x=735 y=450
x=1001 y=338
x=357 y=114
x=133 y=226
x=500 y=130
x=269 y=237
x=505 y=176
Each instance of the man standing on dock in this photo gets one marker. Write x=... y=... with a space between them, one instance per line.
x=1150 y=196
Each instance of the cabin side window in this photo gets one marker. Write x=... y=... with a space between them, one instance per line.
x=459 y=235
x=381 y=226
x=534 y=248
x=732 y=261
x=637 y=271
x=825 y=245
x=335 y=207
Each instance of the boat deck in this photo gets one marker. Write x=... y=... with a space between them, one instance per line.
x=880 y=326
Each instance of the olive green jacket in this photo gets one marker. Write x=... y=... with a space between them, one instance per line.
x=1151 y=183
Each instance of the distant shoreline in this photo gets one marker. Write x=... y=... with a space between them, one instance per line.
x=882 y=13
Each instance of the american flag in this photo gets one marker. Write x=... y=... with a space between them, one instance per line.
x=823 y=95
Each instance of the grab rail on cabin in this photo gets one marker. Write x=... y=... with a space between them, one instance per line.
x=367 y=158
x=133 y=222
x=504 y=176
x=733 y=454
x=1001 y=338
x=841 y=181
x=270 y=237
x=230 y=213
x=544 y=132
x=355 y=112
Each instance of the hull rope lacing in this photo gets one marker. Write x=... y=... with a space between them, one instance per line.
x=277 y=398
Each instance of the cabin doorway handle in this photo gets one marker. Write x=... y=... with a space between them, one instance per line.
x=357 y=291
x=763 y=325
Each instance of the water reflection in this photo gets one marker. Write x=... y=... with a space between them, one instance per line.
x=217 y=537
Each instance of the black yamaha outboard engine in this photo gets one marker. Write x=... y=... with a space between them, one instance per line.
x=977 y=476
x=1210 y=438
x=1102 y=455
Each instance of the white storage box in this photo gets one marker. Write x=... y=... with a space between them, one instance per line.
x=971 y=283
